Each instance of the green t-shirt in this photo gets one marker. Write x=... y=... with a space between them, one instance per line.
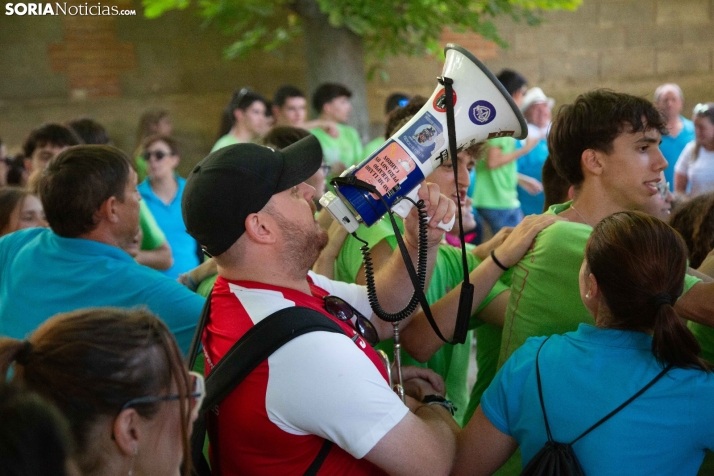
x=346 y=148
x=451 y=361
x=498 y=188
x=205 y=286
x=153 y=237
x=372 y=145
x=545 y=293
x=142 y=169
x=227 y=139
x=705 y=336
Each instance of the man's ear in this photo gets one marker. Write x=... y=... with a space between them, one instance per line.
x=27 y=162
x=237 y=115
x=108 y=211
x=261 y=228
x=126 y=431
x=591 y=161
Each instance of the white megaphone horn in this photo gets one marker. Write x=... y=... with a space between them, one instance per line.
x=483 y=110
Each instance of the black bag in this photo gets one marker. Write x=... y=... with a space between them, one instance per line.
x=559 y=459
x=246 y=354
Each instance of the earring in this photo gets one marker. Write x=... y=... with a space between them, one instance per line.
x=587 y=296
x=133 y=457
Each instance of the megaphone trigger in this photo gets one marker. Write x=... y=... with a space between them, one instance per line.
x=404 y=206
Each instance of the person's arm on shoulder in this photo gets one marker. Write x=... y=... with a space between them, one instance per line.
x=707 y=266
x=328 y=126
x=483 y=250
x=154 y=250
x=680 y=183
x=191 y=279
x=419 y=339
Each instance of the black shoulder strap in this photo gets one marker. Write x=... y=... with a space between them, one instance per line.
x=244 y=356
x=629 y=400
x=603 y=419
x=198 y=334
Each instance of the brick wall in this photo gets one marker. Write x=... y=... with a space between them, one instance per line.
x=112 y=69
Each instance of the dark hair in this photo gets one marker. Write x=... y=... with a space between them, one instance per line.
x=170 y=141
x=400 y=116
x=284 y=93
x=91 y=362
x=326 y=92
x=77 y=182
x=147 y=124
x=511 y=80
x=10 y=198
x=594 y=121
x=282 y=136
x=89 y=131
x=394 y=101
x=241 y=99
x=55 y=134
x=34 y=436
x=16 y=170
x=694 y=220
x=636 y=258
x=555 y=186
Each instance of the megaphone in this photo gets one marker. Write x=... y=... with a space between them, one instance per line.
x=483 y=110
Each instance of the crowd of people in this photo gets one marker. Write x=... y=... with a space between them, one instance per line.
x=591 y=307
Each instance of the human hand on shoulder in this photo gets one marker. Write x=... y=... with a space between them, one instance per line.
x=521 y=238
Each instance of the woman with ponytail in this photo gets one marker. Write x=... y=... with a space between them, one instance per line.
x=632 y=275
x=119 y=379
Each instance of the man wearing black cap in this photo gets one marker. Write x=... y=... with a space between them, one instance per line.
x=249 y=207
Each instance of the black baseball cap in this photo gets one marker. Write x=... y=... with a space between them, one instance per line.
x=237 y=180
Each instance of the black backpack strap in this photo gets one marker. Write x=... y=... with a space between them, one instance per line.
x=540 y=393
x=319 y=459
x=629 y=400
x=198 y=334
x=244 y=356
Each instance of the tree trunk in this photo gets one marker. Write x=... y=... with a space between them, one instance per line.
x=335 y=55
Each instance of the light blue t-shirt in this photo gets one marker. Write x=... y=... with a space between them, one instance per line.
x=42 y=274
x=585 y=375
x=183 y=247
x=531 y=165
x=672 y=147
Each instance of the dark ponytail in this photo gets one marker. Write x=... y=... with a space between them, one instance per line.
x=640 y=263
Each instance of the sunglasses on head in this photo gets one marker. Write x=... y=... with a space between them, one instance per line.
x=662 y=188
x=340 y=309
x=159 y=154
x=198 y=392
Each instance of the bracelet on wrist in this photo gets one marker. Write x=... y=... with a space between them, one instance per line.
x=436 y=399
x=498 y=263
x=191 y=283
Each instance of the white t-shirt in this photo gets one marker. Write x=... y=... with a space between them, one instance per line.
x=699 y=171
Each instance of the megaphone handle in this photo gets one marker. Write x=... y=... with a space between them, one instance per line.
x=403 y=207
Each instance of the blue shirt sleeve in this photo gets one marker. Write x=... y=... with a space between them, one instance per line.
x=501 y=402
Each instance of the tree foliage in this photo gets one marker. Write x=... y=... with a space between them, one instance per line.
x=387 y=28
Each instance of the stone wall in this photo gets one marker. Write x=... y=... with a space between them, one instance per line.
x=55 y=68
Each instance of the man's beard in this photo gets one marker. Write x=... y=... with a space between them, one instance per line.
x=301 y=247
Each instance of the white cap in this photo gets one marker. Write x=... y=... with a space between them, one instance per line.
x=535 y=96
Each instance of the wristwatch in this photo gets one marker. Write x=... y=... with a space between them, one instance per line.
x=436 y=399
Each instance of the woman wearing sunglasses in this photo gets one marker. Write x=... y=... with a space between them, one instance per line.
x=694 y=172
x=162 y=191
x=119 y=378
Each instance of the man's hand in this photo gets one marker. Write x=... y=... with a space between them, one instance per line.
x=529 y=184
x=521 y=238
x=439 y=208
x=420 y=381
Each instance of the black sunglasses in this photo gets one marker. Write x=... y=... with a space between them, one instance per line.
x=340 y=309
x=159 y=154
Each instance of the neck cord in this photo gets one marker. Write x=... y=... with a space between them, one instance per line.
x=580 y=215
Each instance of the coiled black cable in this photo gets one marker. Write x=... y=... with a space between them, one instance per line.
x=421 y=268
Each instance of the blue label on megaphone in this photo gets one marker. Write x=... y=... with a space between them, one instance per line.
x=482 y=112
x=424 y=136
